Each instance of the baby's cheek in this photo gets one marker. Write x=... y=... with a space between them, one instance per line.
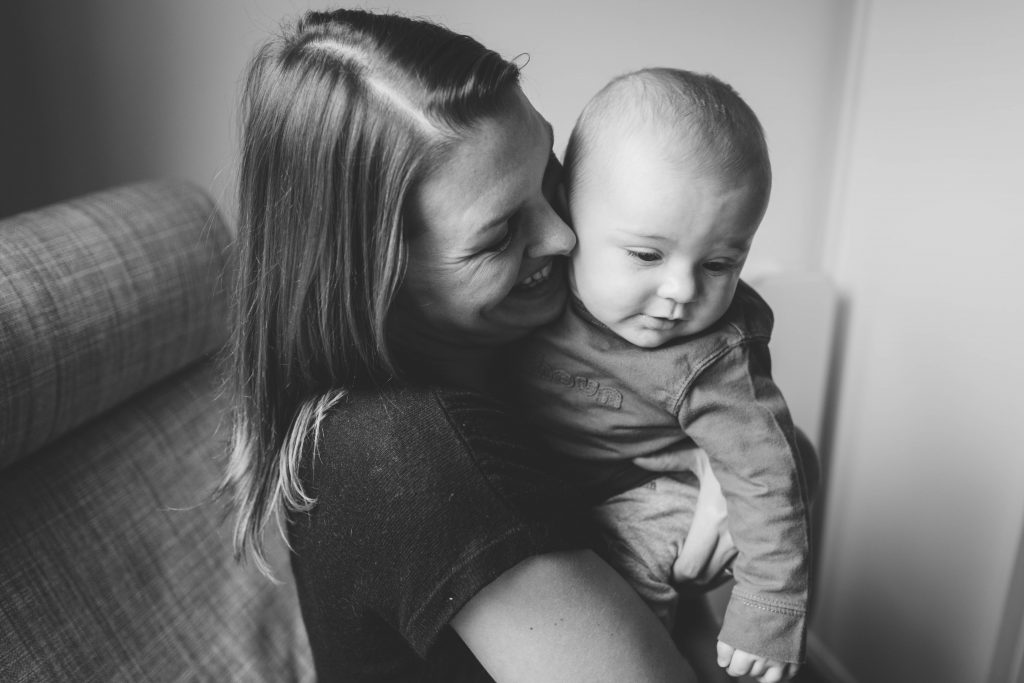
x=612 y=299
x=586 y=285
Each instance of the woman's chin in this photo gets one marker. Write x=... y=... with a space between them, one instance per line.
x=539 y=303
x=527 y=309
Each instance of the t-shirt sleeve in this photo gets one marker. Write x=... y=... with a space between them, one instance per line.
x=423 y=498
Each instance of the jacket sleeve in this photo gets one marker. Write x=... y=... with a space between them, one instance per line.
x=735 y=412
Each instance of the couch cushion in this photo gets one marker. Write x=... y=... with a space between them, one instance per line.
x=99 y=298
x=116 y=566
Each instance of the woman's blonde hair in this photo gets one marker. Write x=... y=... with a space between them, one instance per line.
x=342 y=115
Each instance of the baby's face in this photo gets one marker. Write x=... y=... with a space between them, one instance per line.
x=659 y=249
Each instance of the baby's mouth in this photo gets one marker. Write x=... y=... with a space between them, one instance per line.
x=654 y=322
x=659 y=323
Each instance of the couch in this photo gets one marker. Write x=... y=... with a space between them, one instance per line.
x=115 y=563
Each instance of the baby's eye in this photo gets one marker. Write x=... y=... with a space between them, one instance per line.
x=719 y=267
x=644 y=255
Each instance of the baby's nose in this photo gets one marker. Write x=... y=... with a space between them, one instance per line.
x=679 y=287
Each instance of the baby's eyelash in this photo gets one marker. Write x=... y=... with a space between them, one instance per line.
x=645 y=256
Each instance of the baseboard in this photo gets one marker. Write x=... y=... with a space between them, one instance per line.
x=826 y=663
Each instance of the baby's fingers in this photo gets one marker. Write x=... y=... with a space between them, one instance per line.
x=774 y=672
x=725 y=652
x=758 y=668
x=740 y=663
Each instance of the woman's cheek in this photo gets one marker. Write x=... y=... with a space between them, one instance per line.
x=494 y=288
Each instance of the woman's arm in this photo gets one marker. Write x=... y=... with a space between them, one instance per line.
x=567 y=616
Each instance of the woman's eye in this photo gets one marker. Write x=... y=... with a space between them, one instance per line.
x=643 y=255
x=502 y=243
x=718 y=267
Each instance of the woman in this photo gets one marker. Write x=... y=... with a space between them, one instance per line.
x=396 y=231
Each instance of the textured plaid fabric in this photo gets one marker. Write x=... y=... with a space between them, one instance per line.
x=100 y=297
x=114 y=564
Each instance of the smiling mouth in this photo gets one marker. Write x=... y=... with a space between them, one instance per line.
x=539 y=277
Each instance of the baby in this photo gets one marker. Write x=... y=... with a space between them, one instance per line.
x=662 y=346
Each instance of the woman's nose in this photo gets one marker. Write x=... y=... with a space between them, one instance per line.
x=679 y=286
x=550 y=236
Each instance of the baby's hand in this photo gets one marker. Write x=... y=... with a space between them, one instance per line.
x=740 y=663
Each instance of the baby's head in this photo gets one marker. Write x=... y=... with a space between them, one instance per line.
x=667 y=177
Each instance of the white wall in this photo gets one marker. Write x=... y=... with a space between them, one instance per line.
x=123 y=90
x=927 y=498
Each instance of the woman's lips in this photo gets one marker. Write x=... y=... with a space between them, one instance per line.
x=537 y=278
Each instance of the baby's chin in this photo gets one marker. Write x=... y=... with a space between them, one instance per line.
x=645 y=338
x=650 y=333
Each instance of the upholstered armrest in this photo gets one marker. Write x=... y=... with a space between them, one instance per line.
x=101 y=297
x=115 y=562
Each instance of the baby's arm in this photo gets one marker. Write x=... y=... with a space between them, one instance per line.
x=735 y=412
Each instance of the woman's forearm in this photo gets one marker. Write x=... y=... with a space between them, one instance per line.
x=567 y=616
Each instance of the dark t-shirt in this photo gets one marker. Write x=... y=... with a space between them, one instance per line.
x=424 y=496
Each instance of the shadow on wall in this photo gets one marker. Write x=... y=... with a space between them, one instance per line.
x=67 y=129
x=21 y=169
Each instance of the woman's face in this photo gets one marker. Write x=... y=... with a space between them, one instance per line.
x=484 y=261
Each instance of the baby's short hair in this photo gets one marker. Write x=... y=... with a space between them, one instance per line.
x=705 y=123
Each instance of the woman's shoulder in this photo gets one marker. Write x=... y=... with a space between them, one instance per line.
x=398 y=415
x=430 y=430
x=437 y=439
x=423 y=496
